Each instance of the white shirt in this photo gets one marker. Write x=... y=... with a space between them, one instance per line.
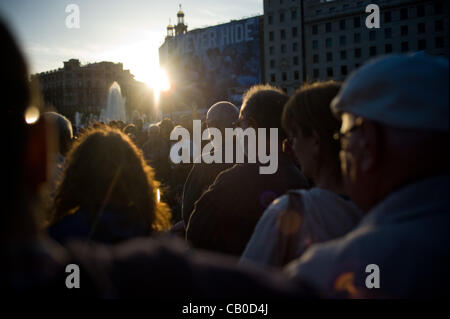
x=282 y=234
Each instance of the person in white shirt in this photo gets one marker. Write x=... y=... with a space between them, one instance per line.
x=302 y=217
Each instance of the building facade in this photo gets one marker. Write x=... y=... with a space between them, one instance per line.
x=211 y=64
x=84 y=88
x=336 y=40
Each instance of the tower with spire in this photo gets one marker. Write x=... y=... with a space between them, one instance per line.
x=180 y=27
x=170 y=31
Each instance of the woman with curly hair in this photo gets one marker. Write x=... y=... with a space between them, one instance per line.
x=107 y=193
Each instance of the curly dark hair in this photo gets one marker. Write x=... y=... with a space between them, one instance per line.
x=104 y=168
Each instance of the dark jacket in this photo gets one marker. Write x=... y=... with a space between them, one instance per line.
x=225 y=216
x=201 y=176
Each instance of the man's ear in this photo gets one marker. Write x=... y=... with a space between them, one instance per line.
x=36 y=154
x=370 y=145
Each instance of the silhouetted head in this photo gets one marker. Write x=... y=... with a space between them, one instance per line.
x=166 y=126
x=62 y=128
x=311 y=126
x=105 y=169
x=222 y=115
x=139 y=124
x=262 y=107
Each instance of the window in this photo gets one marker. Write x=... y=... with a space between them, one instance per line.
x=373 y=51
x=281 y=17
x=357 y=22
x=283 y=48
x=332 y=9
x=372 y=35
x=438 y=7
x=388 y=33
x=357 y=38
x=405 y=46
x=283 y=34
x=342 y=40
x=296 y=75
x=328 y=42
x=272 y=77
x=318 y=12
x=314 y=29
x=343 y=55
x=388 y=48
x=271 y=36
x=330 y=72
x=403 y=13
x=387 y=17
x=329 y=56
x=404 y=30
x=328 y=27
x=270 y=19
x=422 y=44
x=294 y=15
x=315 y=58
x=439 y=25
x=271 y=50
x=344 y=70
x=272 y=63
x=357 y=52
x=421 y=28
x=294 y=32
x=420 y=11
x=295 y=60
x=439 y=42
x=316 y=73
x=284 y=76
x=342 y=24
x=294 y=47
x=315 y=44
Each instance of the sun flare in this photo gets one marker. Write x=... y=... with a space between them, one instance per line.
x=140 y=56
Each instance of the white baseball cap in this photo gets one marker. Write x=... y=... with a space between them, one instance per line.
x=400 y=90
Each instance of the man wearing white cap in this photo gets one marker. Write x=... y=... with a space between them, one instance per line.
x=394 y=139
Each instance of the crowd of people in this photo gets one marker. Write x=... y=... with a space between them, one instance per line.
x=362 y=180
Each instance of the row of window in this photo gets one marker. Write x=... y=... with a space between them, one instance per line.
x=316 y=73
x=282 y=17
x=334 y=9
x=439 y=25
x=281 y=2
x=438 y=8
x=330 y=71
x=294 y=33
x=421 y=45
x=283 y=48
x=404 y=47
x=373 y=51
x=295 y=76
x=404 y=31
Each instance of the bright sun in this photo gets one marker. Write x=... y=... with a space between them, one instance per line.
x=157 y=79
x=140 y=56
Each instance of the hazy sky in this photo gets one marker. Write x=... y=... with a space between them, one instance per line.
x=128 y=31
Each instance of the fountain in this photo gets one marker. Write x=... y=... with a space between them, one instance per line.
x=115 y=107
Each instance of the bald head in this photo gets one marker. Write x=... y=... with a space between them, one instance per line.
x=222 y=115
